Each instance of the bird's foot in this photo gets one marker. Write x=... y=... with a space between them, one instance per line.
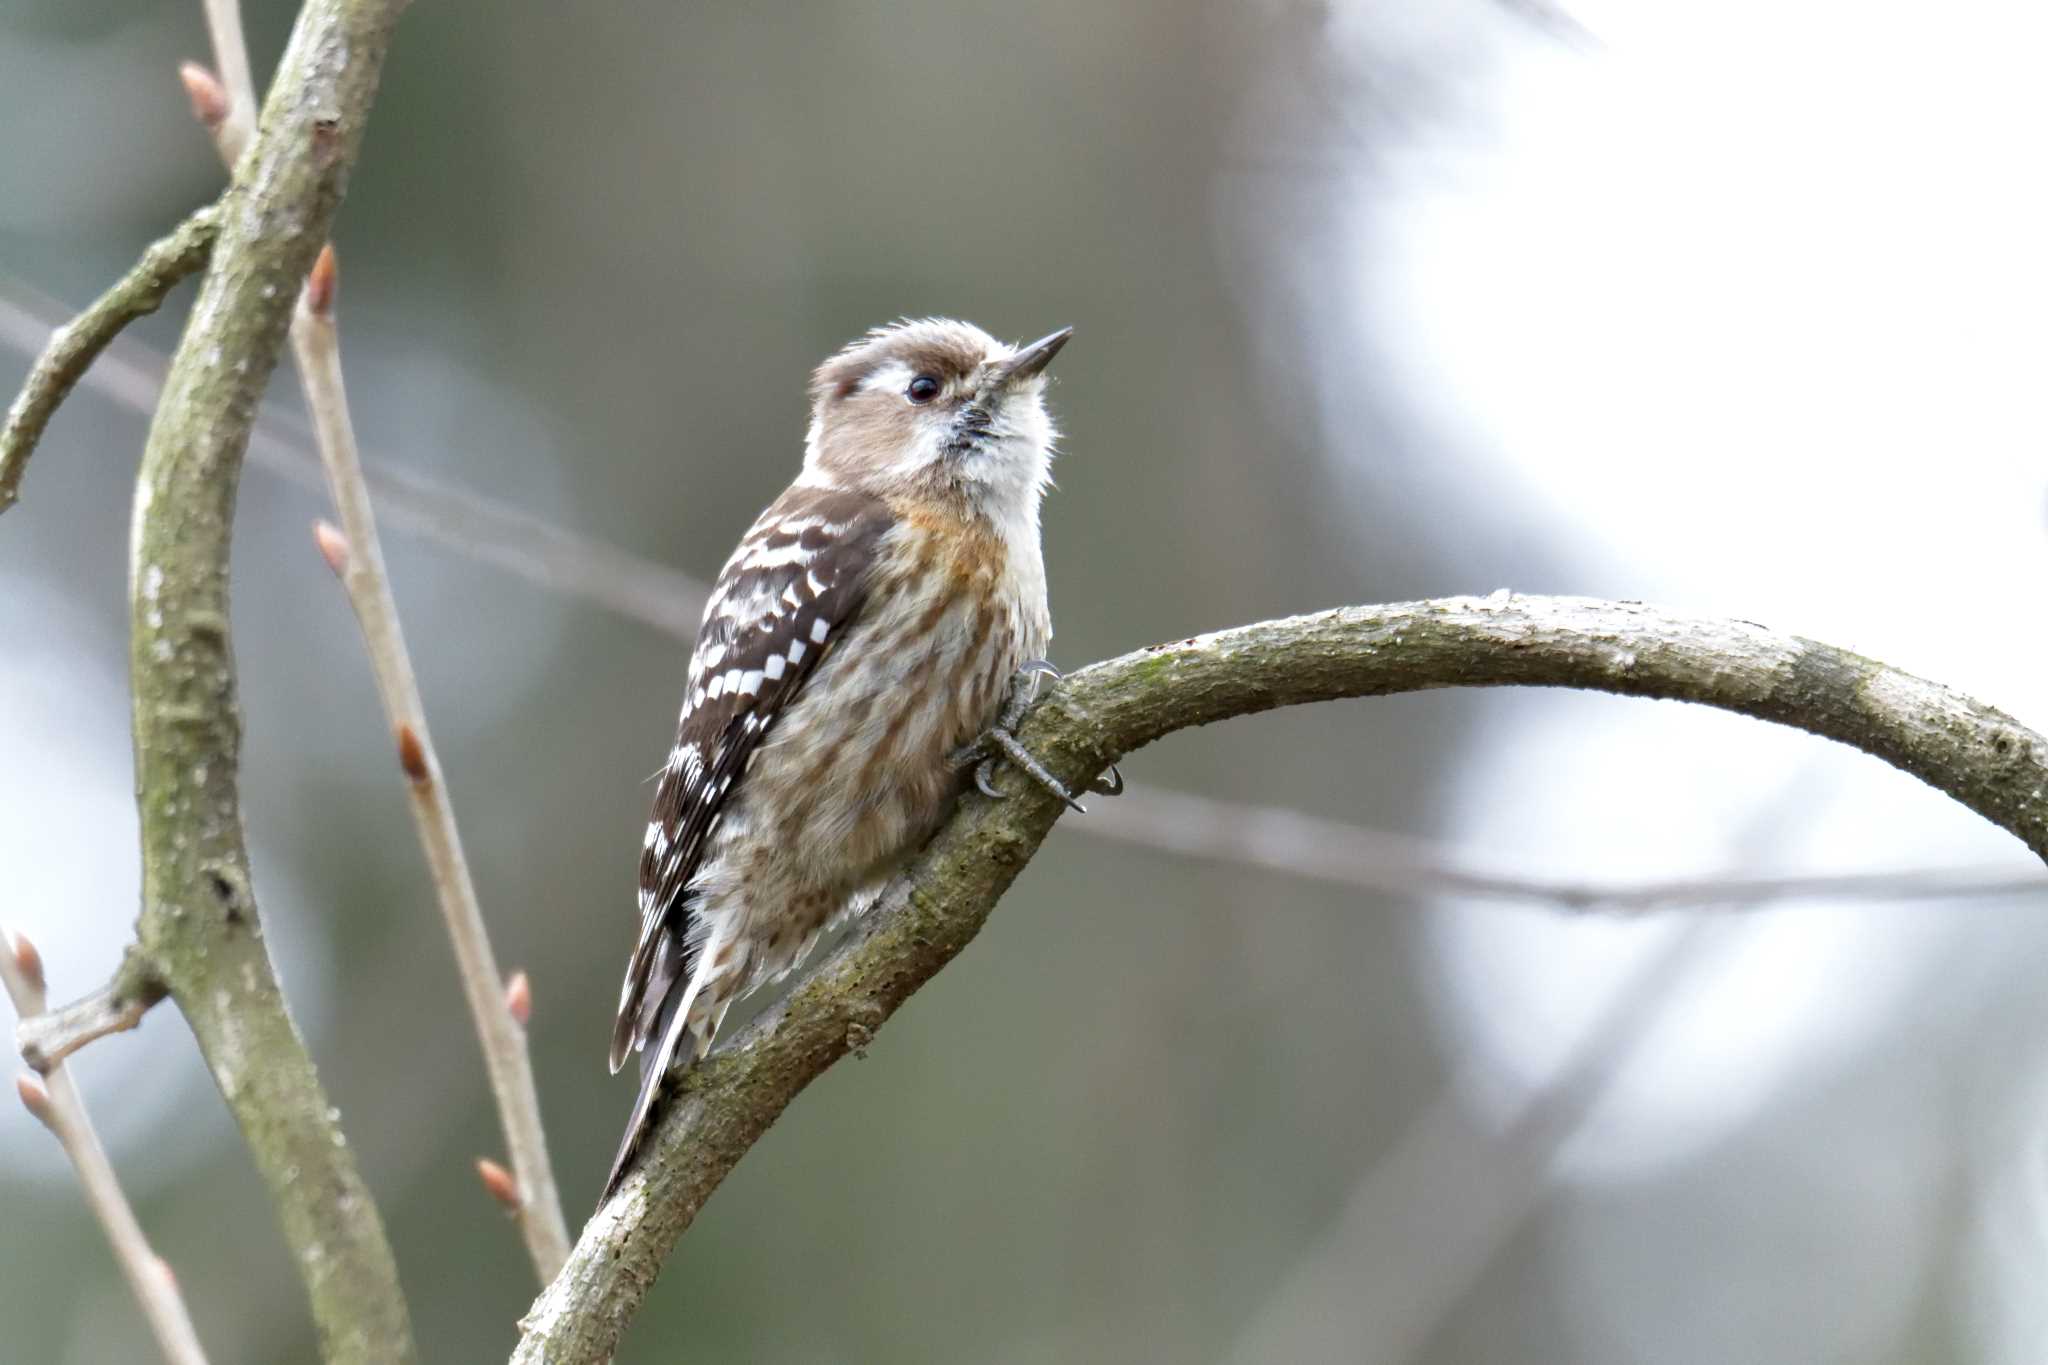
x=999 y=742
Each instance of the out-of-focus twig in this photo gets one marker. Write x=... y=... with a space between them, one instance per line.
x=1428 y=1217
x=1275 y=839
x=358 y=556
x=473 y=525
x=490 y=531
x=73 y=346
x=56 y=1101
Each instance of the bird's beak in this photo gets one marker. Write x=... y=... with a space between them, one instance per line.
x=1032 y=360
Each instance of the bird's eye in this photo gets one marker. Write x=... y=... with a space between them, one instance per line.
x=923 y=389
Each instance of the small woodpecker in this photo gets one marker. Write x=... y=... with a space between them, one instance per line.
x=874 y=634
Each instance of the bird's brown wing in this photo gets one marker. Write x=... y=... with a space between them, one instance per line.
x=792 y=586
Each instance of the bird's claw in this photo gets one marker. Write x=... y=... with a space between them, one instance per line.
x=1000 y=742
x=984 y=779
x=1110 y=783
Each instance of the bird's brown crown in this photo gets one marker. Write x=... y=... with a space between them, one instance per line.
x=940 y=410
x=947 y=350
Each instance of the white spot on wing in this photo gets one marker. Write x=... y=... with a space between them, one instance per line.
x=777 y=557
x=820 y=628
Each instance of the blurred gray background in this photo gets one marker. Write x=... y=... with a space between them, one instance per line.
x=1732 y=308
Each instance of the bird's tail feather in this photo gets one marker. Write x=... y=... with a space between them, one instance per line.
x=654 y=1070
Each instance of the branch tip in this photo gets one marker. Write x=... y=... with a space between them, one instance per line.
x=209 y=98
x=35 y=1097
x=333 y=546
x=519 y=998
x=322 y=282
x=47 y=1037
x=412 y=755
x=74 y=346
x=498 y=1182
x=28 y=960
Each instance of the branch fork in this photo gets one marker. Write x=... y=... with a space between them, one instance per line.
x=56 y=1103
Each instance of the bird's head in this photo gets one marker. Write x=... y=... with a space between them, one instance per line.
x=936 y=407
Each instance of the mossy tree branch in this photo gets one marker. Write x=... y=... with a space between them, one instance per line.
x=1978 y=755
x=198 y=933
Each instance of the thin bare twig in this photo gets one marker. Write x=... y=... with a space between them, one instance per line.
x=316 y=346
x=73 y=346
x=316 y=349
x=231 y=51
x=151 y=1281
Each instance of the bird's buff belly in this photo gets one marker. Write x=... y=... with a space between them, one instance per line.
x=858 y=774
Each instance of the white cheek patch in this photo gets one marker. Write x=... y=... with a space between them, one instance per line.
x=926 y=447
